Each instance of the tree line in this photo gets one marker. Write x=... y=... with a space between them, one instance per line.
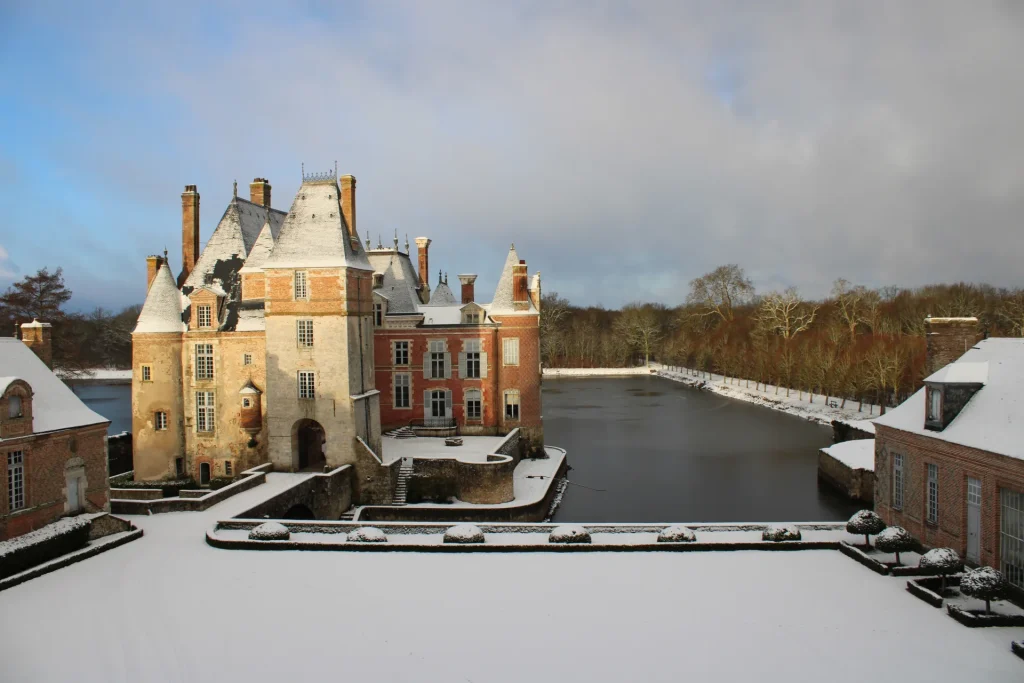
x=858 y=344
x=100 y=338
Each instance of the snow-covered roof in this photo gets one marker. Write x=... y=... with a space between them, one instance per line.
x=993 y=419
x=261 y=249
x=400 y=280
x=251 y=319
x=858 y=454
x=442 y=296
x=232 y=239
x=6 y=382
x=502 y=304
x=54 y=405
x=442 y=315
x=162 y=310
x=960 y=373
x=314 y=233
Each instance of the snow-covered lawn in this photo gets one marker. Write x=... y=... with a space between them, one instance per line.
x=168 y=607
x=473 y=448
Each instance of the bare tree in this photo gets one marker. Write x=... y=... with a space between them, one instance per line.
x=785 y=314
x=640 y=327
x=1011 y=312
x=718 y=293
x=852 y=304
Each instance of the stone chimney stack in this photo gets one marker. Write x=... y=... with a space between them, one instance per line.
x=520 y=292
x=535 y=295
x=189 y=232
x=423 y=246
x=259 y=192
x=468 y=288
x=153 y=264
x=348 y=204
x=36 y=336
x=947 y=340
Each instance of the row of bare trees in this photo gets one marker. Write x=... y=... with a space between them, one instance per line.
x=857 y=344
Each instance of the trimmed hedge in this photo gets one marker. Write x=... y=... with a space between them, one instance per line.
x=928 y=589
x=168 y=488
x=42 y=545
x=1017 y=648
x=975 y=620
x=856 y=553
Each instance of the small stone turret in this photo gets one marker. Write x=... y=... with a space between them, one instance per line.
x=36 y=336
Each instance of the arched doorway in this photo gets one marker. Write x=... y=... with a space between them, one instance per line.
x=308 y=441
x=299 y=511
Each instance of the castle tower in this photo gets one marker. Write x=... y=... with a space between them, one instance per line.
x=320 y=393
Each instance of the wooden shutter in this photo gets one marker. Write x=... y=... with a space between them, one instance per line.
x=483 y=365
x=426 y=404
x=448 y=403
x=462 y=365
x=447 y=365
x=426 y=365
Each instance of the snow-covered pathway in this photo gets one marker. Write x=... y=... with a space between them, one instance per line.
x=170 y=608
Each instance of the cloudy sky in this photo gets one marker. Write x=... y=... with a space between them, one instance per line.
x=624 y=147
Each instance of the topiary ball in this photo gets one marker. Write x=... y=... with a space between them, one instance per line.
x=676 y=534
x=984 y=583
x=941 y=561
x=366 y=534
x=270 y=531
x=464 y=533
x=781 y=533
x=569 y=533
x=865 y=522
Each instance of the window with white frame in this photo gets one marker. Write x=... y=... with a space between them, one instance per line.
x=472 y=350
x=204 y=411
x=306 y=384
x=512 y=404
x=933 y=493
x=247 y=359
x=471 y=318
x=378 y=315
x=510 y=351
x=14 y=408
x=403 y=381
x=474 y=404
x=301 y=285
x=934 y=405
x=147 y=373
x=401 y=353
x=304 y=333
x=1011 y=536
x=437 y=358
x=439 y=402
x=973 y=491
x=204 y=315
x=204 y=361
x=160 y=421
x=897 y=481
x=15 y=480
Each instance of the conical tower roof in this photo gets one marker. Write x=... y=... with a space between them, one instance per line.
x=502 y=301
x=162 y=310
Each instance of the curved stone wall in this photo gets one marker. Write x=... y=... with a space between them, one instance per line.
x=486 y=482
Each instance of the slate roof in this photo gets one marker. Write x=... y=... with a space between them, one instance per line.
x=261 y=249
x=400 y=280
x=162 y=310
x=232 y=239
x=442 y=296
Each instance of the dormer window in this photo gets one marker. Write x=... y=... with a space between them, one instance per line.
x=934 y=413
x=204 y=316
x=378 y=280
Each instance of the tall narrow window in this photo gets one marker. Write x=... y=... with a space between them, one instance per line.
x=401 y=353
x=512 y=404
x=437 y=355
x=933 y=493
x=402 y=381
x=934 y=405
x=472 y=350
x=14 y=406
x=205 y=316
x=227 y=468
x=204 y=411
x=438 y=404
x=306 y=384
x=147 y=373
x=474 y=404
x=378 y=315
x=204 y=361
x=179 y=467
x=897 y=481
x=301 y=285
x=247 y=359
x=16 y=480
x=1011 y=536
x=160 y=421
x=510 y=351
x=305 y=333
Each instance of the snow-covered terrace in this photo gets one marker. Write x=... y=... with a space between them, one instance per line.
x=722 y=616
x=473 y=448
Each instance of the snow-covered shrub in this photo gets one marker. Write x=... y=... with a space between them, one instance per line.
x=42 y=545
x=942 y=561
x=464 y=533
x=865 y=522
x=983 y=583
x=780 y=533
x=366 y=534
x=894 y=539
x=676 y=534
x=569 y=533
x=270 y=531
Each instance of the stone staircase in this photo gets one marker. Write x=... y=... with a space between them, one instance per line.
x=401 y=433
x=348 y=515
x=402 y=487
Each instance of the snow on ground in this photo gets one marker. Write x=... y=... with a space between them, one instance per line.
x=473 y=448
x=595 y=372
x=856 y=454
x=168 y=607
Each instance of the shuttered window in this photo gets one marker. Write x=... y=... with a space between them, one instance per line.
x=474 y=404
x=403 y=382
x=510 y=351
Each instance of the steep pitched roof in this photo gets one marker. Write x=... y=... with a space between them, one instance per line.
x=314 y=232
x=162 y=310
x=442 y=296
x=54 y=405
x=993 y=419
x=501 y=304
x=400 y=280
x=232 y=239
x=261 y=249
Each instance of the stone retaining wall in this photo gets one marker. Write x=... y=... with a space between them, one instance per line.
x=858 y=484
x=326 y=495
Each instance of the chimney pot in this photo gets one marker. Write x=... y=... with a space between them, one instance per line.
x=348 y=205
x=153 y=263
x=259 y=192
x=947 y=339
x=423 y=247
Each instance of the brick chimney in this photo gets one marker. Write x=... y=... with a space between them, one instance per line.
x=36 y=336
x=348 y=204
x=259 y=192
x=153 y=263
x=423 y=247
x=947 y=340
x=535 y=295
x=468 y=287
x=520 y=292
x=189 y=232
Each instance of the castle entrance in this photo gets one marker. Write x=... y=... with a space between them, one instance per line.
x=310 y=441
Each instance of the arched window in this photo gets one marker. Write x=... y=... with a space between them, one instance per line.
x=14 y=406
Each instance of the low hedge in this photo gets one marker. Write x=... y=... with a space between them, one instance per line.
x=1017 y=648
x=856 y=553
x=976 y=619
x=42 y=545
x=169 y=488
x=929 y=589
